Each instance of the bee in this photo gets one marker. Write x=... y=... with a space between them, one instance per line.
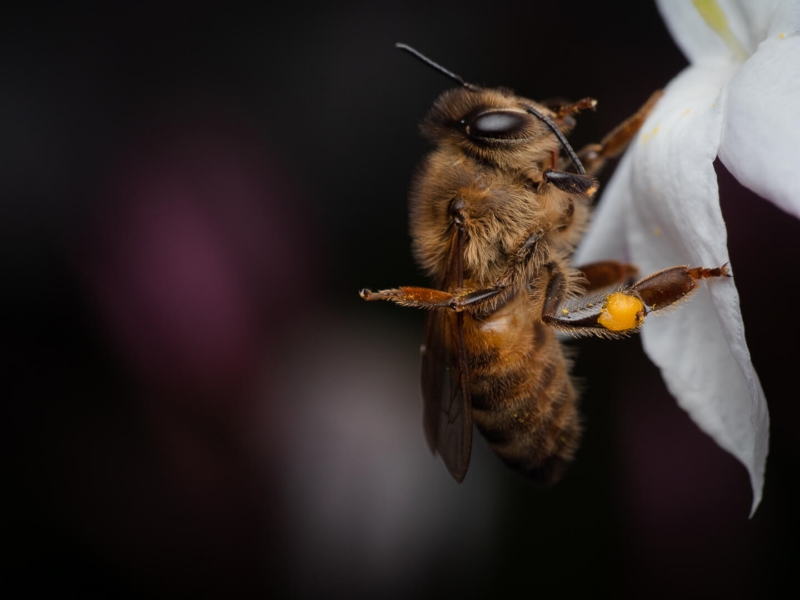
x=496 y=212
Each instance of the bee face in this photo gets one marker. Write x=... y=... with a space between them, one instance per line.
x=492 y=125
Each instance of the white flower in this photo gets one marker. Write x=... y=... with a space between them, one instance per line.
x=739 y=99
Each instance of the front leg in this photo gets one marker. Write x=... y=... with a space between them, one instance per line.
x=573 y=183
x=594 y=156
x=572 y=108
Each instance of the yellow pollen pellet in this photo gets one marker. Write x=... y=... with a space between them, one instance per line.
x=621 y=312
x=565 y=311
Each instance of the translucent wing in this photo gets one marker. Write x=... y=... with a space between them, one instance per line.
x=445 y=376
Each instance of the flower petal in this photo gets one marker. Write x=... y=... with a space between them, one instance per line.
x=785 y=20
x=606 y=238
x=743 y=26
x=666 y=192
x=761 y=130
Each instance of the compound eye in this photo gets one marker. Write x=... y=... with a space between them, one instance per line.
x=497 y=124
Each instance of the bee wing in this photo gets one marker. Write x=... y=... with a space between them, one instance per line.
x=445 y=378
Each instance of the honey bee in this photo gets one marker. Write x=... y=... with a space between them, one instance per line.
x=495 y=216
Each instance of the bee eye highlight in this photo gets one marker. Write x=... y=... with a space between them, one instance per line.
x=497 y=124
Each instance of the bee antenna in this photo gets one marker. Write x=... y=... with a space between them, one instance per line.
x=560 y=137
x=419 y=56
x=457 y=78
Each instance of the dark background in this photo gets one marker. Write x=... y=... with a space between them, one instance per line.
x=195 y=401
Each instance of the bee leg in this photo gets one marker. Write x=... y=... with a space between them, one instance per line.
x=415 y=297
x=587 y=315
x=563 y=116
x=483 y=301
x=594 y=156
x=574 y=183
x=608 y=273
x=557 y=292
x=520 y=259
x=574 y=107
x=418 y=297
x=622 y=311
x=666 y=287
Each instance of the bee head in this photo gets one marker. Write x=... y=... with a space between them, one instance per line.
x=493 y=125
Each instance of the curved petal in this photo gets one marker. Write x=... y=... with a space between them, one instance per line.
x=742 y=26
x=761 y=130
x=785 y=21
x=752 y=18
x=673 y=218
x=606 y=238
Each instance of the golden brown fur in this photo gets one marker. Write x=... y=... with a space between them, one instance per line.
x=523 y=400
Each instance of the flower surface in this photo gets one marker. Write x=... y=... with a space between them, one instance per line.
x=739 y=100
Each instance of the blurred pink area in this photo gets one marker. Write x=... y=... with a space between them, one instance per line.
x=287 y=437
x=192 y=255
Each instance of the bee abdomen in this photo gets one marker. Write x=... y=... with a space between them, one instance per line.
x=528 y=413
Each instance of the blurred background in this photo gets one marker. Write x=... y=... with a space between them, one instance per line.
x=195 y=400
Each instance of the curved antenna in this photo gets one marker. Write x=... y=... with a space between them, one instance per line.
x=436 y=66
x=458 y=79
x=554 y=128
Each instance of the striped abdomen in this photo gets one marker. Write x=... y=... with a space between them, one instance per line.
x=523 y=400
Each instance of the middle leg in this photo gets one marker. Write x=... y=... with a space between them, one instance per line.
x=594 y=156
x=608 y=273
x=483 y=300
